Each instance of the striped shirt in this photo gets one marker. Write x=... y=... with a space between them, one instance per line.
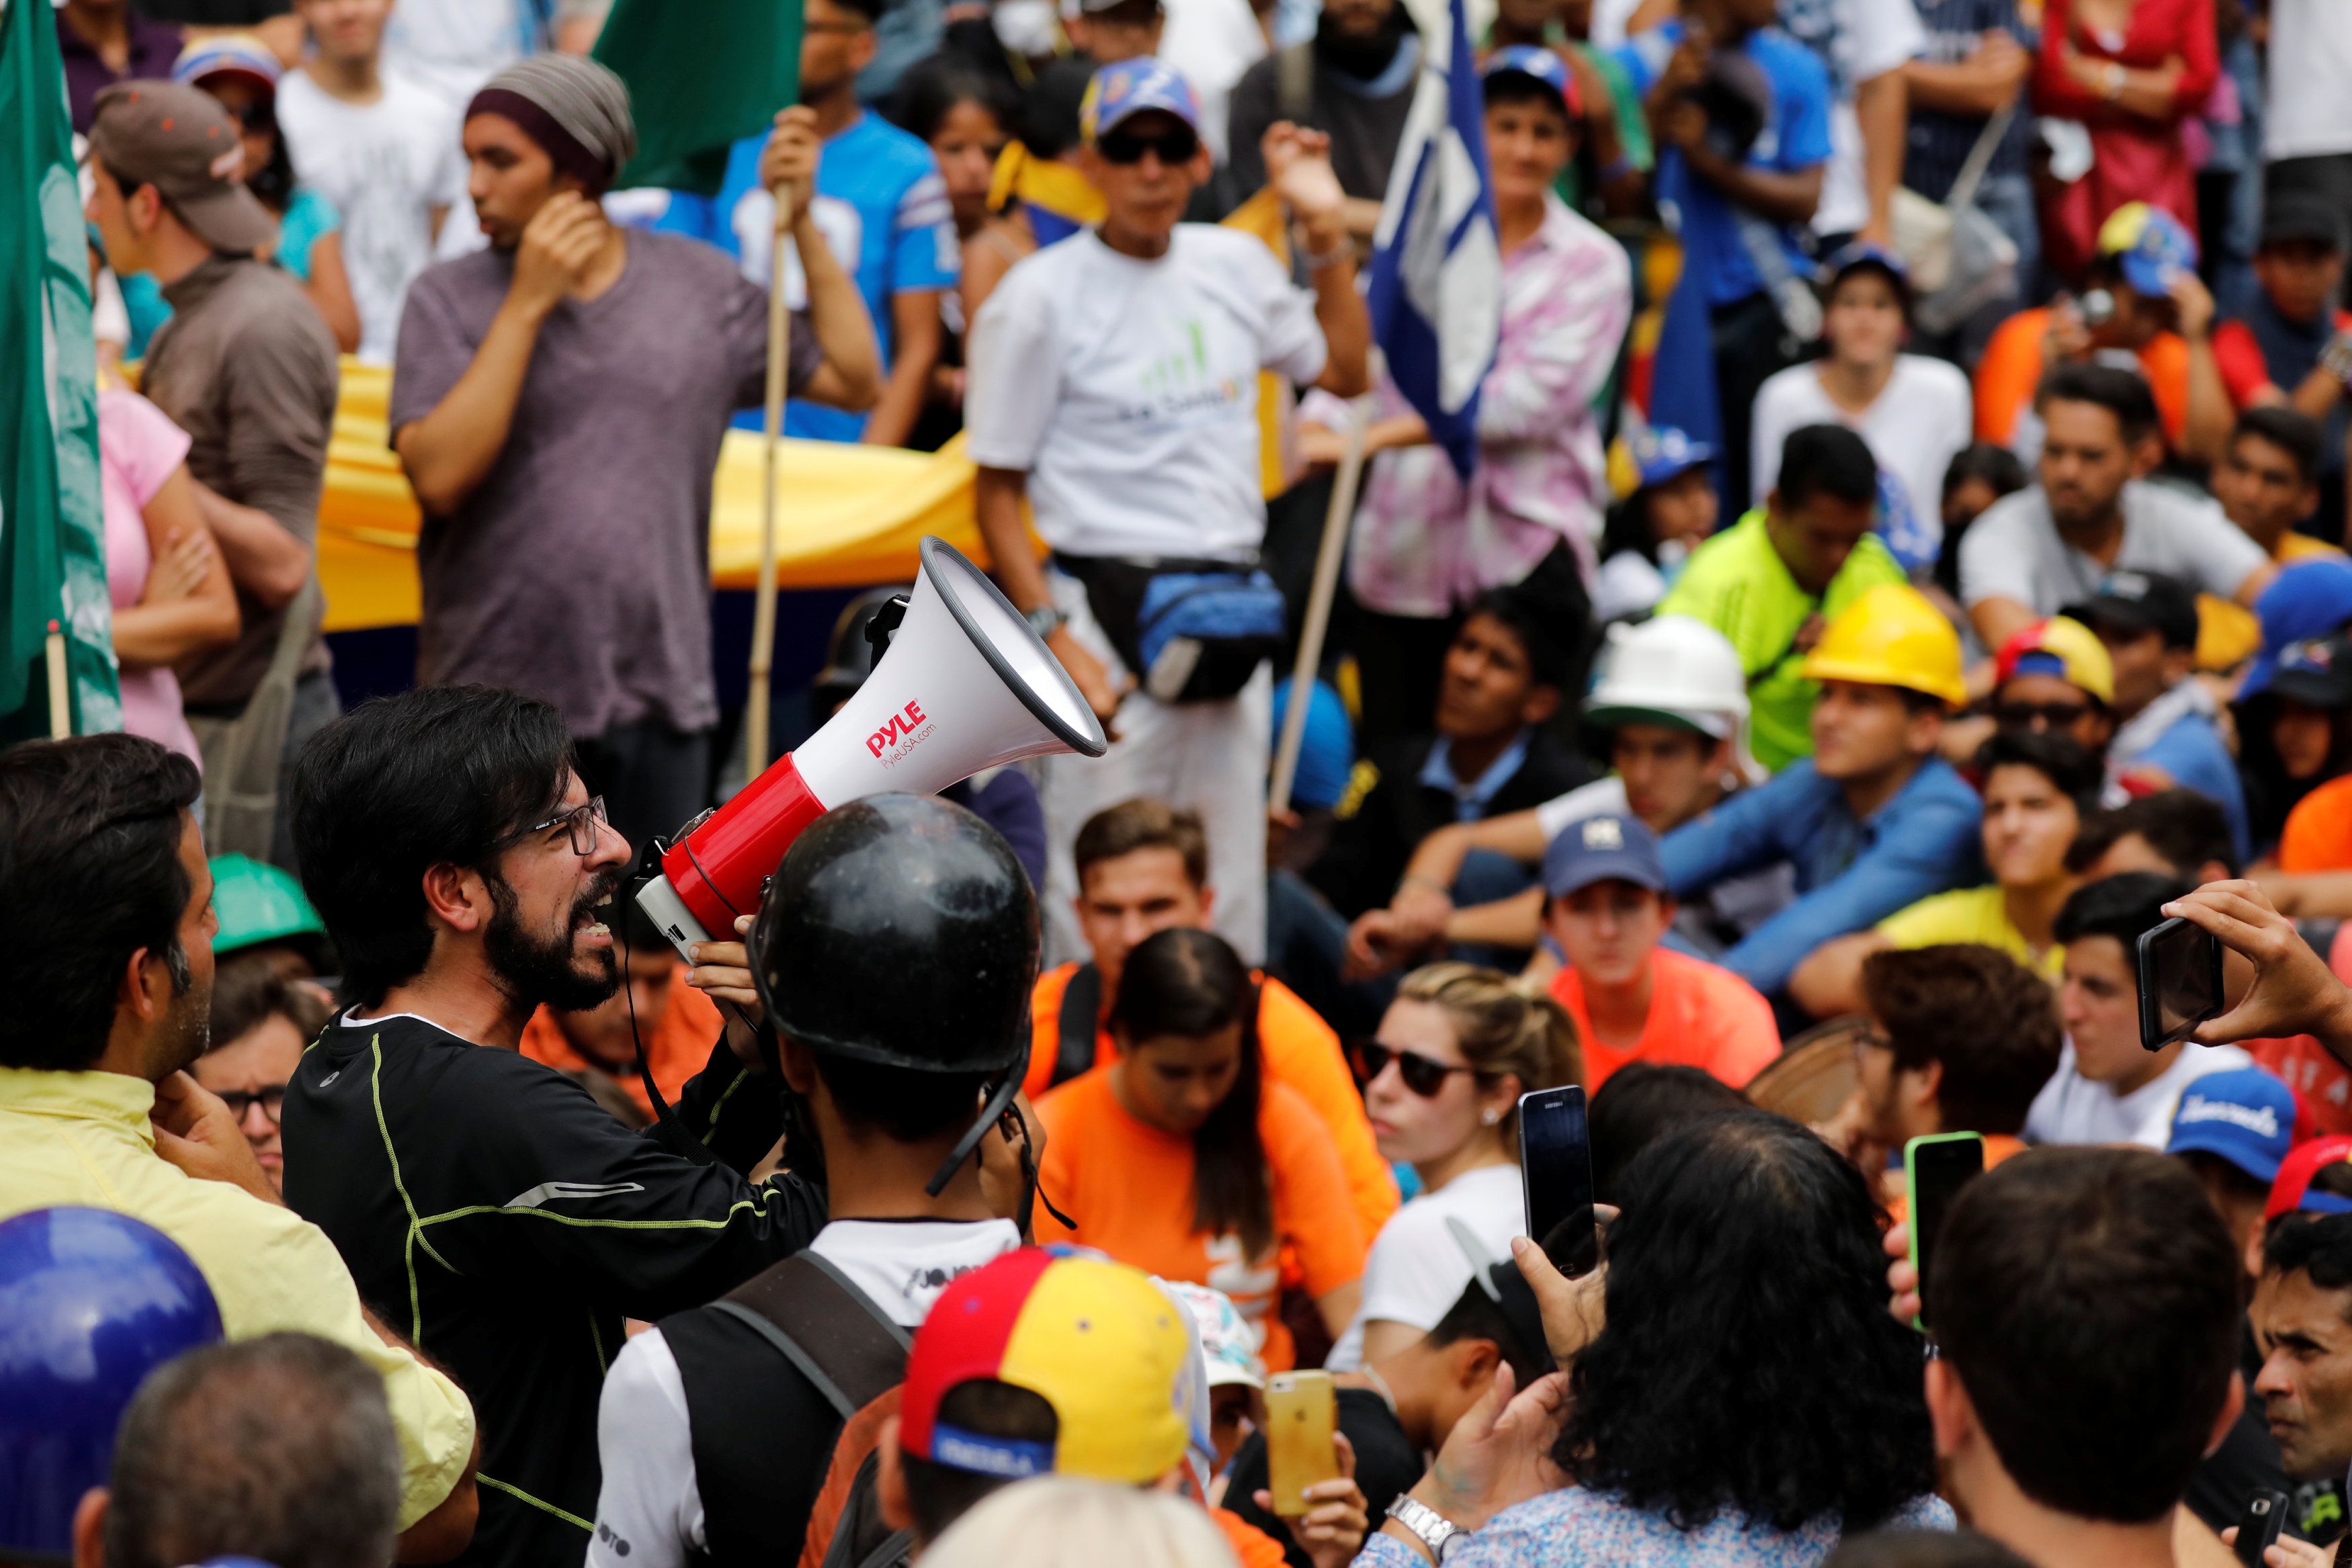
x=1424 y=542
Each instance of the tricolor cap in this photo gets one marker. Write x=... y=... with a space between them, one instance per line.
x=2066 y=649
x=1228 y=1345
x=2151 y=246
x=2309 y=599
x=2316 y=671
x=1127 y=88
x=1544 y=65
x=1096 y=1339
x=228 y=54
x=2291 y=1192
x=2246 y=1117
x=1662 y=453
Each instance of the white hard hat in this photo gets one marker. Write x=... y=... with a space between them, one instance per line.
x=1679 y=670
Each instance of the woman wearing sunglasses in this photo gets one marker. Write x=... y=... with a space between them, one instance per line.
x=1182 y=1158
x=1456 y=1050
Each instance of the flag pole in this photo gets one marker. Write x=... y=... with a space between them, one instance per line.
x=763 y=613
x=1317 y=621
x=60 y=693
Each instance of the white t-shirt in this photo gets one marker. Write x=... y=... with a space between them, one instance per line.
x=452 y=47
x=1211 y=43
x=2013 y=550
x=2070 y=1109
x=1417 y=1271
x=649 y=1508
x=1128 y=390
x=385 y=165
x=1924 y=414
x=2309 y=112
x=1875 y=36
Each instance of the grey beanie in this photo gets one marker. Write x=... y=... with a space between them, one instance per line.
x=576 y=99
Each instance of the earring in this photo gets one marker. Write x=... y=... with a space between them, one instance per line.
x=1488 y=1118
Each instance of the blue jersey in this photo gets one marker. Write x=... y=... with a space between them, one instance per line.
x=1796 y=137
x=884 y=211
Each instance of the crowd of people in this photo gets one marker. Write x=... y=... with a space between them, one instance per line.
x=1898 y=565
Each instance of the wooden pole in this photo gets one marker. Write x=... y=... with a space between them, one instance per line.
x=60 y=692
x=1333 y=550
x=763 y=615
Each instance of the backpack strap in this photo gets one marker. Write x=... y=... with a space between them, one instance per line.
x=1078 y=1025
x=826 y=1327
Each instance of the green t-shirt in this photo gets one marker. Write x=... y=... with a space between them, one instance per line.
x=1737 y=583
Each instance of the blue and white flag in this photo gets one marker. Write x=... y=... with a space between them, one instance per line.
x=1436 y=294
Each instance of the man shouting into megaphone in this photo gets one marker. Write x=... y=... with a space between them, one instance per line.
x=501 y=1220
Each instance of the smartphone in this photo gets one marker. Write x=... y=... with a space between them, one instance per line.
x=1556 y=1178
x=2180 y=982
x=1302 y=1415
x=1935 y=1168
x=2260 y=1525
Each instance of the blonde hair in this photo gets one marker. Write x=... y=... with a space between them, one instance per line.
x=1070 y=1521
x=1502 y=1027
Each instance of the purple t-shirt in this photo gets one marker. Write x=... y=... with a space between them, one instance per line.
x=579 y=570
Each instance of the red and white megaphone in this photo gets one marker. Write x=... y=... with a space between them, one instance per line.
x=965 y=685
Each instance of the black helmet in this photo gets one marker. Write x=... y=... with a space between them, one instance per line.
x=850 y=657
x=900 y=930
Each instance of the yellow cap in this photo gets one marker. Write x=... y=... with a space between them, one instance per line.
x=1892 y=636
x=2082 y=659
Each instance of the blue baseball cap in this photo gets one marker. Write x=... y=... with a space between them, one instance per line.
x=1662 y=452
x=240 y=54
x=2310 y=599
x=1607 y=848
x=1544 y=65
x=2151 y=246
x=1865 y=253
x=1130 y=86
x=1327 y=754
x=2246 y=1117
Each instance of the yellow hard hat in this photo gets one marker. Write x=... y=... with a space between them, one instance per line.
x=1892 y=636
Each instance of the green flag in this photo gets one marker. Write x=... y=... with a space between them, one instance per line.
x=52 y=535
x=701 y=79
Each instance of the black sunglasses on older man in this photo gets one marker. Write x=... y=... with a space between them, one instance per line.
x=1175 y=145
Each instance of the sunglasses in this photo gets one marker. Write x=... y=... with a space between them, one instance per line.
x=1175 y=147
x=1421 y=1075
x=2025 y=715
x=271 y=1099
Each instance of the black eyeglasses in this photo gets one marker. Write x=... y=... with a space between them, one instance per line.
x=582 y=823
x=1421 y=1075
x=2026 y=715
x=272 y=1100
x=1175 y=147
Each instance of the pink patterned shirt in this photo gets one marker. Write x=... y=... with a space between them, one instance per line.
x=1424 y=543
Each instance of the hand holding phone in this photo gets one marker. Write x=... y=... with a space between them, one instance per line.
x=1302 y=1418
x=1556 y=1178
x=2260 y=1525
x=2180 y=982
x=1935 y=1168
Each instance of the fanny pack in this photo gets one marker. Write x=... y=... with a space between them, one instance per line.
x=1192 y=630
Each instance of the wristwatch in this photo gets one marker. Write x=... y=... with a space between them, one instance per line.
x=1436 y=1531
x=1044 y=620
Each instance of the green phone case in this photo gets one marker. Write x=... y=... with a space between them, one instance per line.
x=1911 y=1194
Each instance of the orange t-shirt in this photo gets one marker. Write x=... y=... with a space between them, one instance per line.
x=1253 y=1546
x=1130 y=1187
x=2011 y=369
x=1296 y=1047
x=1701 y=1014
x=678 y=1049
x=2318 y=834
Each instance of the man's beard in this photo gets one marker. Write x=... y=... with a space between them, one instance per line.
x=187 y=1031
x=533 y=970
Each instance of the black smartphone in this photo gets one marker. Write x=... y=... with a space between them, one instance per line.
x=1555 y=1176
x=2260 y=1525
x=2180 y=982
x=1936 y=1165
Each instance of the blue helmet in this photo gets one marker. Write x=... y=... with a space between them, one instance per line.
x=90 y=1302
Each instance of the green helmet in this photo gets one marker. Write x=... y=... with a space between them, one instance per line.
x=258 y=903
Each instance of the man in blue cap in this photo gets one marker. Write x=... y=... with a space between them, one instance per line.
x=1114 y=387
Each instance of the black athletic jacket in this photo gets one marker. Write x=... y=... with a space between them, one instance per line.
x=492 y=1213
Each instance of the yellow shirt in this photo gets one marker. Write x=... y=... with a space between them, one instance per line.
x=1972 y=915
x=84 y=1139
